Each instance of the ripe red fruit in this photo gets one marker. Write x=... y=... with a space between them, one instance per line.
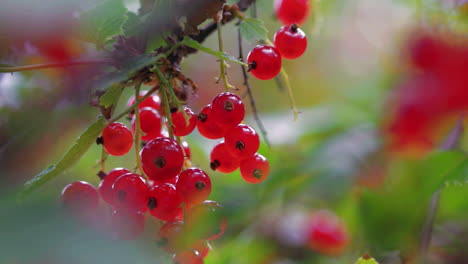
x=227 y=110
x=187 y=257
x=162 y=159
x=255 y=169
x=170 y=236
x=194 y=185
x=242 y=141
x=127 y=224
x=130 y=192
x=80 y=195
x=105 y=186
x=326 y=234
x=206 y=221
x=150 y=123
x=186 y=148
x=207 y=126
x=222 y=160
x=117 y=139
x=290 y=41
x=163 y=201
x=152 y=101
x=264 y=62
x=291 y=11
x=181 y=127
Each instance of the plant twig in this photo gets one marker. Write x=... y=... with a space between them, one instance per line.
x=165 y=98
x=138 y=131
x=52 y=65
x=249 y=92
x=222 y=63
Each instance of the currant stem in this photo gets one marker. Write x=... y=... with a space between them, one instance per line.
x=292 y=101
x=52 y=65
x=222 y=65
x=164 y=95
x=138 y=131
x=128 y=110
x=173 y=98
x=104 y=156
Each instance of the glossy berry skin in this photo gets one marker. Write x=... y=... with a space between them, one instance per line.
x=290 y=41
x=206 y=221
x=207 y=126
x=242 y=141
x=326 y=234
x=292 y=11
x=130 y=192
x=202 y=248
x=152 y=101
x=180 y=126
x=194 y=185
x=227 y=110
x=222 y=160
x=80 y=195
x=188 y=257
x=264 y=62
x=127 y=224
x=255 y=169
x=117 y=139
x=170 y=236
x=187 y=151
x=105 y=186
x=164 y=201
x=162 y=159
x=150 y=123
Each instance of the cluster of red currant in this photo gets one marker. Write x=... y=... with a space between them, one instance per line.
x=175 y=192
x=290 y=42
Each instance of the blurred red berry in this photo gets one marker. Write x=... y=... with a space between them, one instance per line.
x=292 y=11
x=105 y=186
x=326 y=234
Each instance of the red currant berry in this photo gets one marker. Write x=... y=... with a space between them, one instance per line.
x=117 y=139
x=292 y=11
x=290 y=41
x=163 y=201
x=187 y=152
x=206 y=221
x=187 y=257
x=130 y=192
x=150 y=123
x=194 y=185
x=151 y=101
x=80 y=195
x=255 y=169
x=264 y=62
x=162 y=159
x=326 y=234
x=242 y=141
x=171 y=236
x=127 y=224
x=182 y=127
x=105 y=187
x=222 y=160
x=227 y=110
x=202 y=248
x=206 y=125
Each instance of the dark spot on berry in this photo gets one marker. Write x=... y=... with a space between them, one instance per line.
x=252 y=66
x=228 y=106
x=240 y=145
x=294 y=28
x=160 y=162
x=215 y=164
x=200 y=185
x=152 y=203
x=99 y=140
x=122 y=195
x=257 y=173
x=101 y=175
x=162 y=242
x=174 y=109
x=202 y=117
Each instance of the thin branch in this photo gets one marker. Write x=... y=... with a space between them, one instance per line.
x=138 y=131
x=222 y=63
x=165 y=98
x=249 y=91
x=53 y=65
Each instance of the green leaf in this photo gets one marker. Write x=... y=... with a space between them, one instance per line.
x=74 y=153
x=132 y=25
x=111 y=96
x=105 y=21
x=253 y=30
x=194 y=44
x=366 y=259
